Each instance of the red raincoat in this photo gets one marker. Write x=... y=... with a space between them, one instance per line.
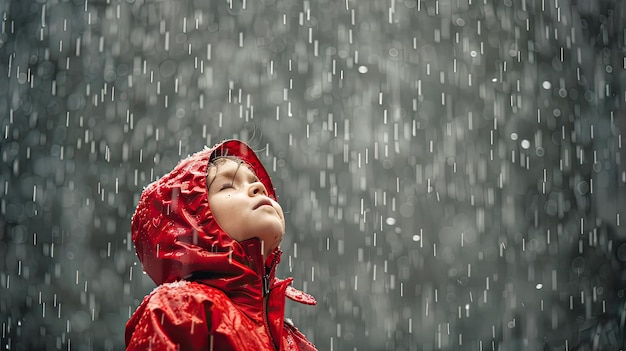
x=213 y=292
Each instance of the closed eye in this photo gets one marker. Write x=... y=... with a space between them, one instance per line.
x=227 y=186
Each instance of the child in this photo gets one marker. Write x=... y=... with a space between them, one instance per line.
x=207 y=233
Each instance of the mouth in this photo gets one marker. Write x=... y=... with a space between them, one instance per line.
x=264 y=202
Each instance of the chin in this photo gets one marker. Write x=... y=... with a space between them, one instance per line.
x=269 y=230
x=271 y=241
x=271 y=238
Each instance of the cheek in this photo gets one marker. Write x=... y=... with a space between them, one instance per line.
x=226 y=215
x=227 y=206
x=220 y=206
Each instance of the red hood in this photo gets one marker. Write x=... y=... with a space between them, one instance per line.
x=174 y=231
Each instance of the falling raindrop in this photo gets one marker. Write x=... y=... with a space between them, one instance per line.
x=493 y=127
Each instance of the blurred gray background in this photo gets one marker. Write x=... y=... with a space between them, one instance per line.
x=452 y=171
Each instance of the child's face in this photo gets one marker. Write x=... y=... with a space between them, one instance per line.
x=240 y=204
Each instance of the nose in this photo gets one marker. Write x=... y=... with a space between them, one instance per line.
x=257 y=188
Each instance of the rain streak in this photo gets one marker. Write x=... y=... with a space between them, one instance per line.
x=452 y=172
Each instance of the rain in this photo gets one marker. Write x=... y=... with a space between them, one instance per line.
x=452 y=171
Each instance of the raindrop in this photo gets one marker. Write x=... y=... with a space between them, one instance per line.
x=540 y=151
x=546 y=85
x=167 y=68
x=578 y=265
x=582 y=188
x=390 y=221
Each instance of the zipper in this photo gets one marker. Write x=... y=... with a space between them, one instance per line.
x=267 y=322
x=266 y=291
x=266 y=276
x=266 y=284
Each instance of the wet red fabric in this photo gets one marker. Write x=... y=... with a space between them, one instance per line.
x=213 y=293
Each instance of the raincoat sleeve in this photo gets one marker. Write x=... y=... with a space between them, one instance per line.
x=170 y=318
